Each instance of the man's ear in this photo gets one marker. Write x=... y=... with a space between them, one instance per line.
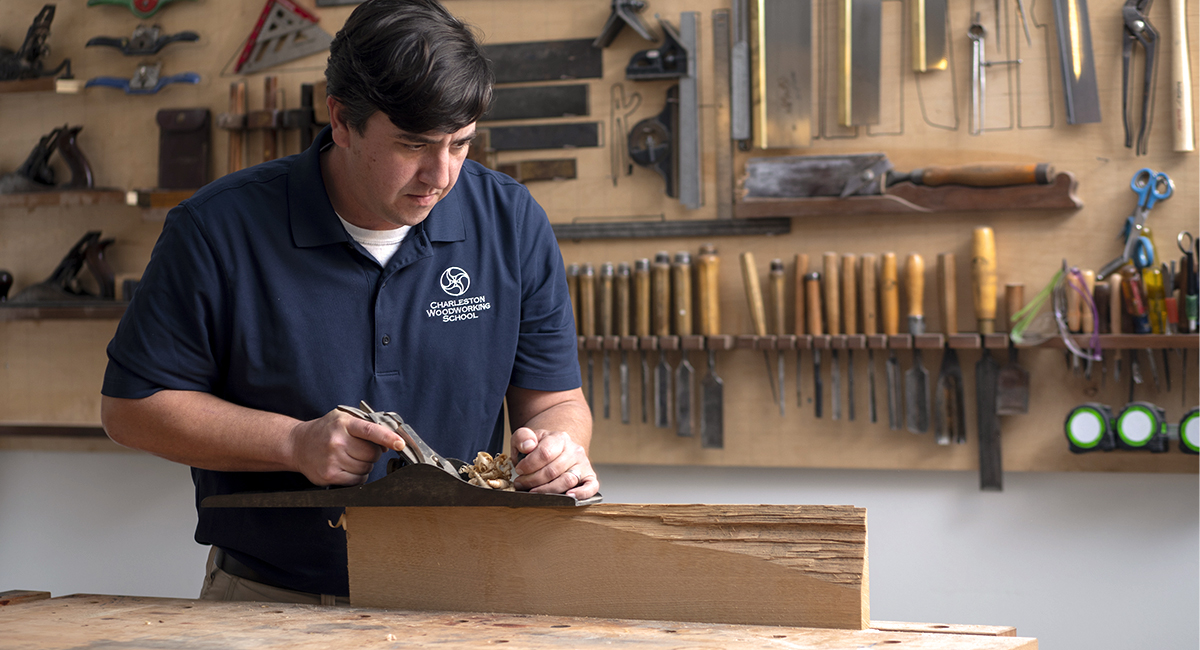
x=337 y=121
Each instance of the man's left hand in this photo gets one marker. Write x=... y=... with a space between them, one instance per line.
x=554 y=464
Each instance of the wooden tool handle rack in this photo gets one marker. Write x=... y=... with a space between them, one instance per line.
x=964 y=341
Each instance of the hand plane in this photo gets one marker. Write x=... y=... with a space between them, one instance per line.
x=146 y=40
x=428 y=479
x=146 y=80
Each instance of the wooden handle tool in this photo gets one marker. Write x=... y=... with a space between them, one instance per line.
x=660 y=287
x=607 y=275
x=573 y=292
x=623 y=315
x=776 y=283
x=1115 y=308
x=641 y=297
x=1074 y=318
x=681 y=279
x=868 y=296
x=982 y=175
x=890 y=295
x=1087 y=322
x=707 y=278
x=948 y=293
x=754 y=298
x=801 y=303
x=587 y=300
x=1181 y=80
x=850 y=293
x=833 y=314
x=1014 y=301
x=983 y=278
x=914 y=291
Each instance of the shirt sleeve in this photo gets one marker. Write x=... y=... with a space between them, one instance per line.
x=547 y=351
x=169 y=337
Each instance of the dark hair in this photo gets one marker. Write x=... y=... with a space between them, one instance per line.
x=412 y=60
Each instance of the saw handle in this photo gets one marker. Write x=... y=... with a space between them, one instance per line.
x=867 y=274
x=754 y=298
x=983 y=278
x=833 y=314
x=708 y=267
x=948 y=292
x=984 y=175
x=801 y=303
x=890 y=291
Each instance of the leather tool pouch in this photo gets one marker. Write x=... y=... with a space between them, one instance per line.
x=183 y=148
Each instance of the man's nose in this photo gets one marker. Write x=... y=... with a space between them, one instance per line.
x=435 y=167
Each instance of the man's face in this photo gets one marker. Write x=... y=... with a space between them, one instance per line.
x=392 y=177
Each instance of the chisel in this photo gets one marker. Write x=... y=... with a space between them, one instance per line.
x=776 y=287
x=916 y=380
x=1012 y=384
x=606 y=330
x=812 y=291
x=949 y=411
x=712 y=403
x=1087 y=323
x=660 y=314
x=850 y=316
x=623 y=334
x=799 y=322
x=890 y=308
x=867 y=274
x=681 y=282
x=1102 y=298
x=641 y=325
x=833 y=326
x=1114 y=320
x=758 y=317
x=983 y=284
x=573 y=292
x=587 y=317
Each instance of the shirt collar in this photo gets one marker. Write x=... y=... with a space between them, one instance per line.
x=314 y=222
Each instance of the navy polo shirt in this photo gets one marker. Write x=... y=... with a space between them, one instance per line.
x=256 y=293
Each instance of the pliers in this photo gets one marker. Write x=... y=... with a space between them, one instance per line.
x=1138 y=30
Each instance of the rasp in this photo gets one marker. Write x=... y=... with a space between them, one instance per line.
x=833 y=327
x=890 y=307
x=983 y=284
x=758 y=317
x=606 y=331
x=685 y=376
x=660 y=314
x=916 y=380
x=623 y=334
x=812 y=291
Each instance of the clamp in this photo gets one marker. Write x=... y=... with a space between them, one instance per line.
x=146 y=80
x=1138 y=30
x=146 y=40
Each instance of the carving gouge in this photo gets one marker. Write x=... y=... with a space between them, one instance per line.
x=606 y=330
x=623 y=332
x=916 y=380
x=712 y=403
x=833 y=326
x=758 y=317
x=587 y=318
x=681 y=280
x=798 y=309
x=850 y=317
x=776 y=284
x=949 y=414
x=890 y=307
x=641 y=325
x=867 y=274
x=660 y=315
x=812 y=290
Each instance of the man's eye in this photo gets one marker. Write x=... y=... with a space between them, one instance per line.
x=413 y=147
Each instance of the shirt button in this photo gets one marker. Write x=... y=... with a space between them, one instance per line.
x=386 y=339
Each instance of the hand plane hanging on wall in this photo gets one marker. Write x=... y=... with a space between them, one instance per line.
x=36 y=174
x=146 y=40
x=26 y=62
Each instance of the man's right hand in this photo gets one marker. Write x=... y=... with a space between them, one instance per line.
x=340 y=449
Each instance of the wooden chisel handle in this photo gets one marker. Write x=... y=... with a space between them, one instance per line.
x=1074 y=320
x=623 y=319
x=707 y=273
x=660 y=287
x=801 y=303
x=573 y=291
x=1103 y=300
x=833 y=314
x=641 y=297
x=812 y=288
x=777 y=297
x=587 y=300
x=1181 y=79
x=1115 y=309
x=983 y=278
x=681 y=280
x=606 y=299
x=948 y=292
x=914 y=285
x=1085 y=312
x=754 y=298
x=890 y=294
x=850 y=293
x=984 y=175
x=869 y=300
x=1014 y=300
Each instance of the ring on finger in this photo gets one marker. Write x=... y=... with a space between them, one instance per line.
x=578 y=477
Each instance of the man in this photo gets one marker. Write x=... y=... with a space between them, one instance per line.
x=379 y=265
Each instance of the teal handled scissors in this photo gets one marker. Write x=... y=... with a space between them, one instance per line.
x=1151 y=187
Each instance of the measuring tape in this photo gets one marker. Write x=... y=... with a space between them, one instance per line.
x=1088 y=428
x=1141 y=426
x=1189 y=432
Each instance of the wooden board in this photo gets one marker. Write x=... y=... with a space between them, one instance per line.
x=762 y=565
x=169 y=623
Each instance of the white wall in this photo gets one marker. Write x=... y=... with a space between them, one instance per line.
x=1099 y=561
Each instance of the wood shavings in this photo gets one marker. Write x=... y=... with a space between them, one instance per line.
x=492 y=473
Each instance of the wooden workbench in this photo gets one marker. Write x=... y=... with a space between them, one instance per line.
x=93 y=621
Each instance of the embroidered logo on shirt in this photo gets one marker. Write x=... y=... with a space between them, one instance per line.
x=455 y=281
